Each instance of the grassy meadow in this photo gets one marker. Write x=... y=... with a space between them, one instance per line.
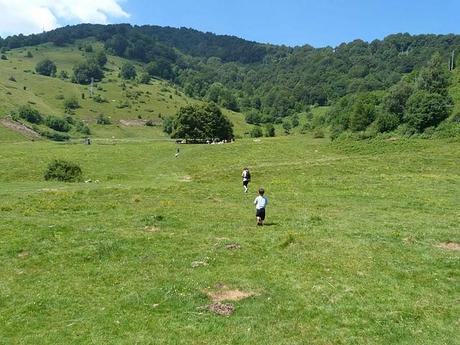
x=349 y=254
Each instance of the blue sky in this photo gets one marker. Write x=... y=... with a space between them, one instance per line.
x=289 y=22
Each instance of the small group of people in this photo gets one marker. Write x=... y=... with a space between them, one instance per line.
x=260 y=201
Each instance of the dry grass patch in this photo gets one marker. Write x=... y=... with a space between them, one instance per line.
x=224 y=293
x=449 y=245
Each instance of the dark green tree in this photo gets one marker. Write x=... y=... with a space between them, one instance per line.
x=204 y=121
x=84 y=71
x=128 y=71
x=435 y=77
x=46 y=67
x=425 y=109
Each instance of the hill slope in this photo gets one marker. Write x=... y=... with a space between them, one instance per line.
x=124 y=101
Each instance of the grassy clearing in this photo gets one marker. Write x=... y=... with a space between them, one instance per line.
x=349 y=254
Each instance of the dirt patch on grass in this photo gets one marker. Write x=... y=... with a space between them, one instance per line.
x=20 y=128
x=151 y=229
x=232 y=246
x=134 y=122
x=449 y=246
x=223 y=293
x=186 y=178
x=221 y=308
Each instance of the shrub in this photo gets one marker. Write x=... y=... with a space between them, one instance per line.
x=29 y=54
x=128 y=71
x=386 y=122
x=71 y=103
x=256 y=132
x=99 y=99
x=63 y=75
x=46 y=67
x=62 y=170
x=103 y=120
x=426 y=109
x=11 y=78
x=27 y=113
x=3 y=57
x=82 y=128
x=318 y=133
x=269 y=130
x=57 y=123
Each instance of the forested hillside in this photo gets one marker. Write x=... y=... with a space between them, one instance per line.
x=266 y=82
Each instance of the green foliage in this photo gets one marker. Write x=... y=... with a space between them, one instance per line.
x=57 y=123
x=63 y=74
x=103 y=120
x=386 y=122
x=71 y=103
x=269 y=130
x=99 y=99
x=84 y=71
x=3 y=57
x=46 y=67
x=295 y=120
x=62 y=170
x=395 y=101
x=29 y=114
x=318 y=133
x=426 y=109
x=144 y=78
x=253 y=117
x=434 y=78
x=101 y=57
x=287 y=126
x=29 y=54
x=363 y=111
x=88 y=48
x=128 y=71
x=53 y=135
x=168 y=124
x=82 y=128
x=204 y=121
x=256 y=132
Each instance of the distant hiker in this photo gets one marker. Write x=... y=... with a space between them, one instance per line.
x=177 y=152
x=246 y=175
x=261 y=201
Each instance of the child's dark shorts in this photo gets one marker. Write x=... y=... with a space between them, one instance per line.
x=245 y=183
x=260 y=213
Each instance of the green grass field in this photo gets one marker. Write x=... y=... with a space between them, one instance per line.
x=349 y=254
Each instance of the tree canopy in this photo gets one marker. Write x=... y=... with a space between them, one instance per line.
x=202 y=122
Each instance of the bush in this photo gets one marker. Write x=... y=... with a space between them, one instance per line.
x=52 y=135
x=256 y=132
x=46 y=67
x=318 y=133
x=269 y=130
x=84 y=71
x=99 y=99
x=62 y=170
x=27 y=113
x=426 y=109
x=128 y=71
x=11 y=78
x=3 y=57
x=103 y=120
x=386 y=122
x=71 y=103
x=57 y=123
x=82 y=128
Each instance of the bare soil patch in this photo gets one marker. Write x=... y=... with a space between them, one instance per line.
x=133 y=122
x=151 y=229
x=449 y=245
x=221 y=308
x=20 y=128
x=232 y=246
x=223 y=293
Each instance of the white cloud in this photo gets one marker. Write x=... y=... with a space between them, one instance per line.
x=33 y=16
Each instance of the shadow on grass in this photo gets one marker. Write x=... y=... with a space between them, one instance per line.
x=270 y=224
